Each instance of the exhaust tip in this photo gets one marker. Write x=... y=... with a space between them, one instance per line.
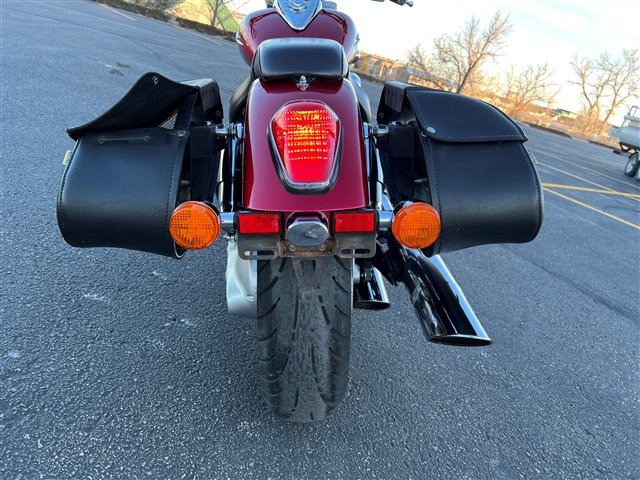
x=370 y=304
x=461 y=340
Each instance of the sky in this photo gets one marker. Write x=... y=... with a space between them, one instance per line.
x=543 y=31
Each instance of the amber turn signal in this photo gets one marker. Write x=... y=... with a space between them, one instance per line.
x=194 y=225
x=416 y=225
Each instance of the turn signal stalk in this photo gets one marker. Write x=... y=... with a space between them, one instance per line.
x=194 y=225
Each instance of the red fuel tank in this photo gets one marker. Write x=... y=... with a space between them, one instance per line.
x=266 y=24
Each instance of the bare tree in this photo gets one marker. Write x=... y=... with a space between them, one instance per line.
x=533 y=85
x=624 y=79
x=418 y=58
x=220 y=12
x=605 y=84
x=213 y=12
x=593 y=84
x=459 y=57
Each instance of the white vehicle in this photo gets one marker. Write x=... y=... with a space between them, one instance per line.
x=629 y=138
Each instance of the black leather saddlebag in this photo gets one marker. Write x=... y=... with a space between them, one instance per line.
x=464 y=157
x=131 y=166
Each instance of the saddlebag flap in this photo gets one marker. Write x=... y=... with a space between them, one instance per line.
x=155 y=101
x=464 y=157
x=120 y=188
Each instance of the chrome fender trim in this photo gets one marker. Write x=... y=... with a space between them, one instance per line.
x=242 y=283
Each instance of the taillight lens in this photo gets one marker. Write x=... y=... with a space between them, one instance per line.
x=259 y=223
x=194 y=225
x=345 y=222
x=416 y=225
x=306 y=135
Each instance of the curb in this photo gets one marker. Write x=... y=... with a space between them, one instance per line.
x=167 y=18
x=550 y=130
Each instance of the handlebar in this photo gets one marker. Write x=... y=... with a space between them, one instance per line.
x=408 y=3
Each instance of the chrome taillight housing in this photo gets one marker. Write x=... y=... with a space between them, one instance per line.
x=306 y=141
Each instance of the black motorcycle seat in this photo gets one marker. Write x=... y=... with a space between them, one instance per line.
x=281 y=58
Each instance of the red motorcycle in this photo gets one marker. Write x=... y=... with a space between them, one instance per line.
x=317 y=199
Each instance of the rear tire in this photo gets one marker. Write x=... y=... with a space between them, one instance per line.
x=304 y=333
x=632 y=165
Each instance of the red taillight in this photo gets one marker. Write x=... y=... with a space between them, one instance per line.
x=306 y=135
x=354 y=222
x=259 y=223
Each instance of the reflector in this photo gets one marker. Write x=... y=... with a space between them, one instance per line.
x=306 y=135
x=354 y=222
x=259 y=223
x=194 y=225
x=416 y=225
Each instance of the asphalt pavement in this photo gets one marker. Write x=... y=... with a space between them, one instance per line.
x=118 y=364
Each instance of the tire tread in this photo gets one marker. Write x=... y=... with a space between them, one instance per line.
x=304 y=334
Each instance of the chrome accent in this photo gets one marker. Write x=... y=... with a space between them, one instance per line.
x=302 y=83
x=380 y=181
x=355 y=58
x=223 y=130
x=238 y=39
x=242 y=284
x=366 y=130
x=227 y=222
x=233 y=158
x=307 y=232
x=371 y=294
x=386 y=203
x=356 y=78
x=380 y=131
x=366 y=135
x=355 y=272
x=385 y=220
x=298 y=13
x=233 y=130
x=238 y=131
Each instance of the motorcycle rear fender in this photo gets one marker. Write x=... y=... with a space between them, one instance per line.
x=263 y=189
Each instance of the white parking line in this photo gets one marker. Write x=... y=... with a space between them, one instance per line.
x=116 y=11
x=216 y=42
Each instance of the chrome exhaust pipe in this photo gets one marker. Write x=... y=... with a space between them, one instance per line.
x=371 y=294
x=444 y=312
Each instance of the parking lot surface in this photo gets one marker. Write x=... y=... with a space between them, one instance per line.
x=117 y=364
